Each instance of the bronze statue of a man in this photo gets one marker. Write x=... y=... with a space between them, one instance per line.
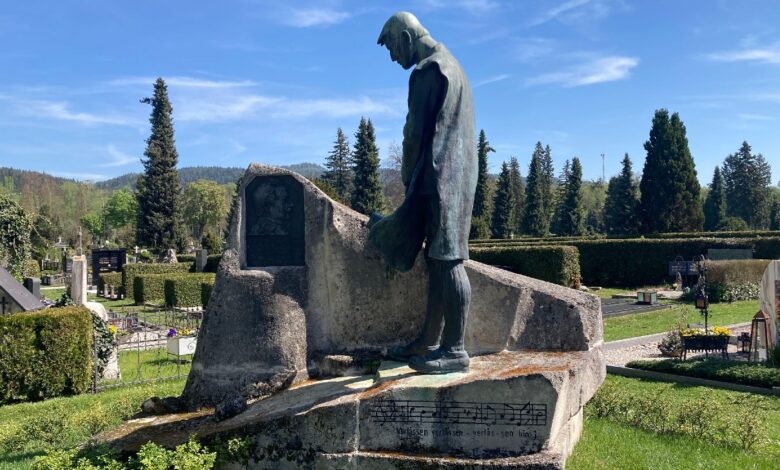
x=439 y=171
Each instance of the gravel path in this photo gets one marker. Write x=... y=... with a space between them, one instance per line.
x=618 y=353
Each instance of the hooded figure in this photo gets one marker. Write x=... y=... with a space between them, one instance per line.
x=439 y=171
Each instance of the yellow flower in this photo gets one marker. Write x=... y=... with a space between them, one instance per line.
x=721 y=331
x=112 y=329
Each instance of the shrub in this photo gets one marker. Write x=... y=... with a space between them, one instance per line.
x=131 y=270
x=185 y=258
x=559 y=264
x=109 y=279
x=212 y=263
x=149 y=288
x=205 y=293
x=32 y=268
x=732 y=280
x=185 y=290
x=46 y=353
x=737 y=372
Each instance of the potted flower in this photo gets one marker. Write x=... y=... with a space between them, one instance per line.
x=182 y=342
x=715 y=339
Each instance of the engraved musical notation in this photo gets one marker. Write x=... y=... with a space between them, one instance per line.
x=499 y=414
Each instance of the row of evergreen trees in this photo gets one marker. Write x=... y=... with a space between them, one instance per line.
x=354 y=175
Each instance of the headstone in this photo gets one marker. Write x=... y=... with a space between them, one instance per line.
x=78 y=280
x=729 y=253
x=107 y=261
x=67 y=264
x=168 y=256
x=111 y=369
x=201 y=258
x=770 y=297
x=33 y=284
x=15 y=297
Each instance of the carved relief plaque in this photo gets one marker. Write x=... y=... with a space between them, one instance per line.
x=274 y=225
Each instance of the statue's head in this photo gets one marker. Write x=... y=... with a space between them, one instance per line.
x=399 y=35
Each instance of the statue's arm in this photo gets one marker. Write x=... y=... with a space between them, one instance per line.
x=426 y=94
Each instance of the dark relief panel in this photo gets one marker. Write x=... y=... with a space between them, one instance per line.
x=274 y=222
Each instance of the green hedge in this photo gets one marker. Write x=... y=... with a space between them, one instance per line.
x=559 y=264
x=149 y=288
x=185 y=290
x=185 y=258
x=737 y=372
x=110 y=279
x=212 y=263
x=554 y=239
x=732 y=280
x=45 y=354
x=131 y=270
x=205 y=293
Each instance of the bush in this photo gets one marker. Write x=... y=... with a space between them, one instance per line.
x=558 y=264
x=185 y=258
x=212 y=263
x=131 y=270
x=733 y=280
x=149 y=288
x=205 y=293
x=185 y=290
x=32 y=268
x=46 y=353
x=737 y=372
x=109 y=279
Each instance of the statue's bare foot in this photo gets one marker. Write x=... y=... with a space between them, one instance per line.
x=415 y=348
x=441 y=362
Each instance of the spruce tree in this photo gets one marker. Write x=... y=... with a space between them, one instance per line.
x=501 y=222
x=338 y=167
x=572 y=221
x=518 y=191
x=481 y=209
x=622 y=203
x=670 y=200
x=367 y=196
x=560 y=199
x=158 y=223
x=535 y=219
x=548 y=185
x=715 y=203
x=747 y=180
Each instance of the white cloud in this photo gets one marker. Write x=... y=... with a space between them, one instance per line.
x=182 y=82
x=755 y=117
x=604 y=69
x=80 y=176
x=119 y=158
x=472 y=6
x=306 y=18
x=766 y=55
x=493 y=79
x=533 y=48
x=557 y=11
x=61 y=110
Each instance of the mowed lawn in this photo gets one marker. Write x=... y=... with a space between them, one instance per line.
x=660 y=321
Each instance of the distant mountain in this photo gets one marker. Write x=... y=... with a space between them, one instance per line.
x=221 y=175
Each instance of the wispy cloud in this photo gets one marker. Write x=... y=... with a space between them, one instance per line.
x=182 y=82
x=533 y=48
x=755 y=117
x=80 y=176
x=493 y=79
x=557 y=11
x=604 y=69
x=580 y=13
x=308 y=17
x=119 y=158
x=766 y=55
x=61 y=110
x=472 y=6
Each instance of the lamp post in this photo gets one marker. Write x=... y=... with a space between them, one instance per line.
x=702 y=300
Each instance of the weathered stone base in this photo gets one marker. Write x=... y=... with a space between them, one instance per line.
x=519 y=409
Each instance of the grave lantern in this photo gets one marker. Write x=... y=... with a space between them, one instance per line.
x=760 y=337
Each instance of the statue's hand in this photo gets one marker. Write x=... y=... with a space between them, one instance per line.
x=374 y=218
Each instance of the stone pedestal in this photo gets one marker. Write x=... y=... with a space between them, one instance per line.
x=78 y=280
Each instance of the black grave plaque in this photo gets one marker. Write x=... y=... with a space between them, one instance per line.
x=274 y=224
x=107 y=261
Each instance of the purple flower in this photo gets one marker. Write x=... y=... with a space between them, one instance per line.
x=171 y=333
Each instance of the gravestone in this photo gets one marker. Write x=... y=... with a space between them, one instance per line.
x=15 y=297
x=67 y=264
x=201 y=258
x=33 y=285
x=770 y=297
x=78 y=280
x=107 y=261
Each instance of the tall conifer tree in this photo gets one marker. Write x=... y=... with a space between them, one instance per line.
x=747 y=179
x=622 y=203
x=715 y=203
x=560 y=199
x=367 y=196
x=158 y=223
x=502 y=221
x=518 y=191
x=572 y=221
x=338 y=167
x=480 y=213
x=670 y=200
x=536 y=222
x=548 y=185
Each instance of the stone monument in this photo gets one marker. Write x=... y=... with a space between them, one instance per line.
x=770 y=297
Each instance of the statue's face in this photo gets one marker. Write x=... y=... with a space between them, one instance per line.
x=400 y=48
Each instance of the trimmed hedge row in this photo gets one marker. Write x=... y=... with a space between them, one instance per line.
x=134 y=269
x=109 y=279
x=212 y=263
x=656 y=236
x=46 y=353
x=149 y=288
x=185 y=290
x=185 y=258
x=739 y=372
x=559 y=264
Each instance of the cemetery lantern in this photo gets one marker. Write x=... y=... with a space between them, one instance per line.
x=759 y=337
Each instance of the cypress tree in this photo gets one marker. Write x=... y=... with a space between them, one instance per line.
x=747 y=179
x=502 y=222
x=518 y=191
x=158 y=222
x=715 y=203
x=338 y=167
x=622 y=203
x=535 y=221
x=573 y=214
x=481 y=210
x=670 y=200
x=367 y=196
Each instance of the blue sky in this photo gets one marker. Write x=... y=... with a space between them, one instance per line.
x=271 y=81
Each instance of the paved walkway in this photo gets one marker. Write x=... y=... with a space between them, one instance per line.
x=619 y=353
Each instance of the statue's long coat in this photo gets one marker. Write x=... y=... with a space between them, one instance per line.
x=439 y=167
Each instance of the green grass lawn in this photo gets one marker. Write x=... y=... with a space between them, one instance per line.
x=150 y=364
x=608 y=292
x=660 y=321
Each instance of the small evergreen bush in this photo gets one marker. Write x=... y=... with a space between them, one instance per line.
x=185 y=290
x=131 y=270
